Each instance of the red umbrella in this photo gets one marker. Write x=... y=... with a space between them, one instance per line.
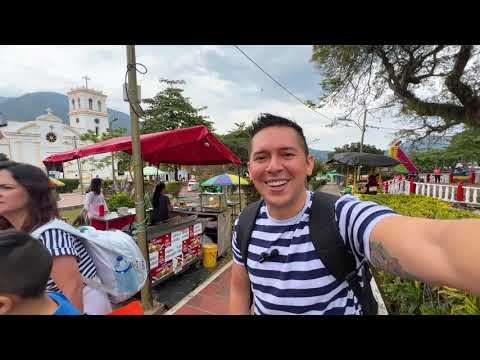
x=186 y=146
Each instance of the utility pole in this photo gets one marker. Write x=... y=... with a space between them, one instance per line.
x=113 y=156
x=364 y=125
x=363 y=129
x=79 y=167
x=138 y=172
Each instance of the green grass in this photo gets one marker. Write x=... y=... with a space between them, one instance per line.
x=70 y=214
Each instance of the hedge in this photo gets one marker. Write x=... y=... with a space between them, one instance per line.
x=70 y=185
x=414 y=297
x=121 y=199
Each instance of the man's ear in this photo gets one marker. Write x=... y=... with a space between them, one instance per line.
x=6 y=305
x=310 y=164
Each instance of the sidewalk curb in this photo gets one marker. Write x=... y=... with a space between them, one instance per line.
x=187 y=298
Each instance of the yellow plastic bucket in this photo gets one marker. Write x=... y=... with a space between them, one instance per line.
x=209 y=255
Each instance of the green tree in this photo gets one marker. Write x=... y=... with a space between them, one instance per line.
x=238 y=140
x=3 y=157
x=466 y=145
x=170 y=110
x=435 y=85
x=123 y=159
x=427 y=160
x=355 y=147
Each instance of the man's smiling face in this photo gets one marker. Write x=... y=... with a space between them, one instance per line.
x=278 y=167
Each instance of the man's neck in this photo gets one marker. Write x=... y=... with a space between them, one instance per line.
x=37 y=306
x=283 y=213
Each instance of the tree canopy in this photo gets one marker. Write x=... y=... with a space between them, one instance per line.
x=464 y=148
x=436 y=86
x=238 y=140
x=355 y=147
x=170 y=110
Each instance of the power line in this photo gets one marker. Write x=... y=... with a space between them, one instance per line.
x=279 y=84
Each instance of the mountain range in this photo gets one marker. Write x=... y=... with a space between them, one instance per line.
x=27 y=107
x=321 y=155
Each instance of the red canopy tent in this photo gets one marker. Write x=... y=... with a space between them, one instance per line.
x=186 y=146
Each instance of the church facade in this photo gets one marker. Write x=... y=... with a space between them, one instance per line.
x=32 y=141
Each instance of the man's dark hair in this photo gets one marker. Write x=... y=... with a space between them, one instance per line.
x=25 y=265
x=266 y=120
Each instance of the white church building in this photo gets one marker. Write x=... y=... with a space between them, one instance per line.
x=32 y=141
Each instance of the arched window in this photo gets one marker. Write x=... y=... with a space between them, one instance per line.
x=78 y=101
x=78 y=120
x=73 y=104
x=90 y=106
x=99 y=103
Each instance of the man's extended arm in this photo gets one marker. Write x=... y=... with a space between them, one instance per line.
x=435 y=251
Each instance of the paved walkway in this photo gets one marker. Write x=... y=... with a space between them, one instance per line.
x=70 y=200
x=211 y=298
x=330 y=188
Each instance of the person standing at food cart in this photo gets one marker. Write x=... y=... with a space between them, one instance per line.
x=161 y=204
x=27 y=203
x=94 y=200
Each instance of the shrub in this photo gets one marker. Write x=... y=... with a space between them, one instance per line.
x=121 y=199
x=107 y=187
x=419 y=206
x=413 y=297
x=70 y=185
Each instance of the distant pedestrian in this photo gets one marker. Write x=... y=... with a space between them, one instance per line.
x=437 y=172
x=95 y=199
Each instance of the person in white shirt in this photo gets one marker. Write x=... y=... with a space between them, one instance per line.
x=94 y=199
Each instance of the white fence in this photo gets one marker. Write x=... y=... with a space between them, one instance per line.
x=440 y=191
x=445 y=177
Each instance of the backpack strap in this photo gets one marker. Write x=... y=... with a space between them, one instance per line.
x=244 y=228
x=332 y=251
x=243 y=231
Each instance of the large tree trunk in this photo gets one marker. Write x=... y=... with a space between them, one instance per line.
x=451 y=113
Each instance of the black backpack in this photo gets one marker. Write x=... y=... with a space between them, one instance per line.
x=327 y=241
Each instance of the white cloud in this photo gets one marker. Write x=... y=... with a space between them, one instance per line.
x=218 y=77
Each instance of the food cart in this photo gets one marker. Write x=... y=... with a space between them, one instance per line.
x=120 y=219
x=175 y=244
x=216 y=218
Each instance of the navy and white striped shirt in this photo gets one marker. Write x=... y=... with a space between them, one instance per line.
x=296 y=281
x=61 y=243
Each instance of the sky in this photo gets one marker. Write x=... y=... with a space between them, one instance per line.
x=219 y=77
